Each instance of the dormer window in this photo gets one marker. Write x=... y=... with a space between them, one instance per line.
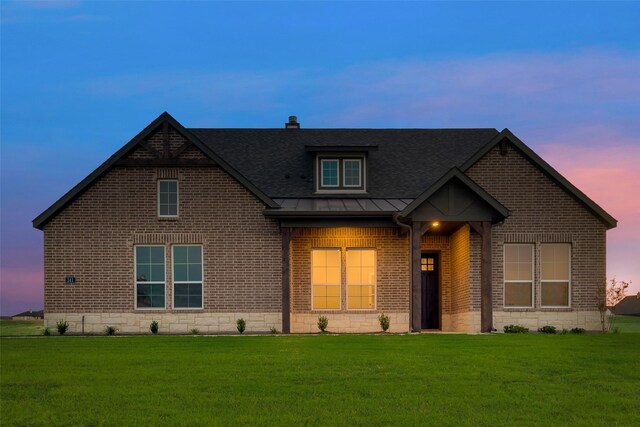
x=341 y=174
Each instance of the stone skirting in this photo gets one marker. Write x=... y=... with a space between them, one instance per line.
x=589 y=320
x=348 y=322
x=175 y=323
x=467 y=321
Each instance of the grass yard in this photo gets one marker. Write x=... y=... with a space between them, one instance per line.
x=322 y=380
x=627 y=324
x=15 y=328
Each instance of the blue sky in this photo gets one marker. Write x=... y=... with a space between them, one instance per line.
x=79 y=79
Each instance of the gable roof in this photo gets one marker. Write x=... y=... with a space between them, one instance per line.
x=76 y=191
x=403 y=163
x=564 y=183
x=30 y=313
x=629 y=305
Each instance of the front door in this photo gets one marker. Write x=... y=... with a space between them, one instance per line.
x=430 y=291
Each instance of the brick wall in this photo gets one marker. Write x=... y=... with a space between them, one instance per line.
x=540 y=212
x=460 y=269
x=94 y=238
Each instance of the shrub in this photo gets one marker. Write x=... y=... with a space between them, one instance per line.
x=564 y=331
x=577 y=331
x=548 y=329
x=384 y=322
x=153 y=327
x=46 y=332
x=110 y=330
x=62 y=326
x=274 y=330
x=323 y=322
x=515 y=329
x=195 y=331
x=241 y=324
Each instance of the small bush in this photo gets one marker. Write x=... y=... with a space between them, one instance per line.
x=62 y=326
x=195 y=331
x=241 y=324
x=548 y=329
x=153 y=327
x=323 y=322
x=564 y=331
x=274 y=330
x=384 y=322
x=515 y=329
x=110 y=330
x=577 y=331
x=46 y=332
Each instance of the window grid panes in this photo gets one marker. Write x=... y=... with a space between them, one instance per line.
x=325 y=279
x=352 y=172
x=150 y=277
x=168 y=198
x=361 y=279
x=187 y=277
x=330 y=172
x=555 y=272
x=518 y=275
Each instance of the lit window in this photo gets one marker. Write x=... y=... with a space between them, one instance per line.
x=518 y=275
x=150 y=282
x=325 y=279
x=352 y=172
x=555 y=272
x=361 y=279
x=187 y=276
x=167 y=197
x=427 y=264
x=330 y=176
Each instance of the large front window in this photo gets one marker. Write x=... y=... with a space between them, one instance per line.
x=518 y=275
x=325 y=279
x=361 y=279
x=187 y=277
x=150 y=273
x=555 y=272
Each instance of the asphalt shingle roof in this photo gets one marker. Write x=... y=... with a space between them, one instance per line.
x=406 y=162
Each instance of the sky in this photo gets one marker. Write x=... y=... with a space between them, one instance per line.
x=79 y=79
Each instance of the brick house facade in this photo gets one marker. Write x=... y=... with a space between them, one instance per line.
x=198 y=228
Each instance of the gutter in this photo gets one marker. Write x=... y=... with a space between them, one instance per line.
x=396 y=219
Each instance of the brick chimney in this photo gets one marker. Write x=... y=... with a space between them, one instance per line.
x=293 y=123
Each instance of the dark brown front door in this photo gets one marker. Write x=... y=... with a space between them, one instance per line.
x=430 y=291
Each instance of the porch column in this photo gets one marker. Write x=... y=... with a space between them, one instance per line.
x=486 y=293
x=416 y=275
x=286 y=281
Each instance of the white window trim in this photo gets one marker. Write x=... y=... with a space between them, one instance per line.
x=177 y=198
x=375 y=285
x=135 y=278
x=344 y=172
x=313 y=285
x=322 y=185
x=173 y=281
x=555 y=281
x=504 y=279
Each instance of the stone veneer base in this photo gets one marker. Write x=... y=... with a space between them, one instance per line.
x=589 y=320
x=306 y=323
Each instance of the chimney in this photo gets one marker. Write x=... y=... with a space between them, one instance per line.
x=293 y=123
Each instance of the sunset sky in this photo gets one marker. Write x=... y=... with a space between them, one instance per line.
x=78 y=80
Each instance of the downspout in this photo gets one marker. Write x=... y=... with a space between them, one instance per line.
x=396 y=219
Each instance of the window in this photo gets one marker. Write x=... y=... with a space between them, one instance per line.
x=168 y=197
x=341 y=174
x=150 y=282
x=187 y=277
x=325 y=279
x=352 y=175
x=329 y=173
x=518 y=275
x=555 y=272
x=361 y=279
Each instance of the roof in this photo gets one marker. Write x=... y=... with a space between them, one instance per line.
x=630 y=305
x=30 y=313
x=294 y=207
x=405 y=163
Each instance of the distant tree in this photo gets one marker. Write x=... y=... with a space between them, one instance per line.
x=616 y=291
x=609 y=295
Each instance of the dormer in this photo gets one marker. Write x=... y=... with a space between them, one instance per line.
x=340 y=169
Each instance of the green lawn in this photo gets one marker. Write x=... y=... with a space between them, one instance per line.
x=322 y=380
x=15 y=328
x=627 y=323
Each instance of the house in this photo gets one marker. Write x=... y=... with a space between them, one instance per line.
x=440 y=229
x=628 y=306
x=29 y=315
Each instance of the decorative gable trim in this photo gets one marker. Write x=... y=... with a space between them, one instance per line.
x=507 y=136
